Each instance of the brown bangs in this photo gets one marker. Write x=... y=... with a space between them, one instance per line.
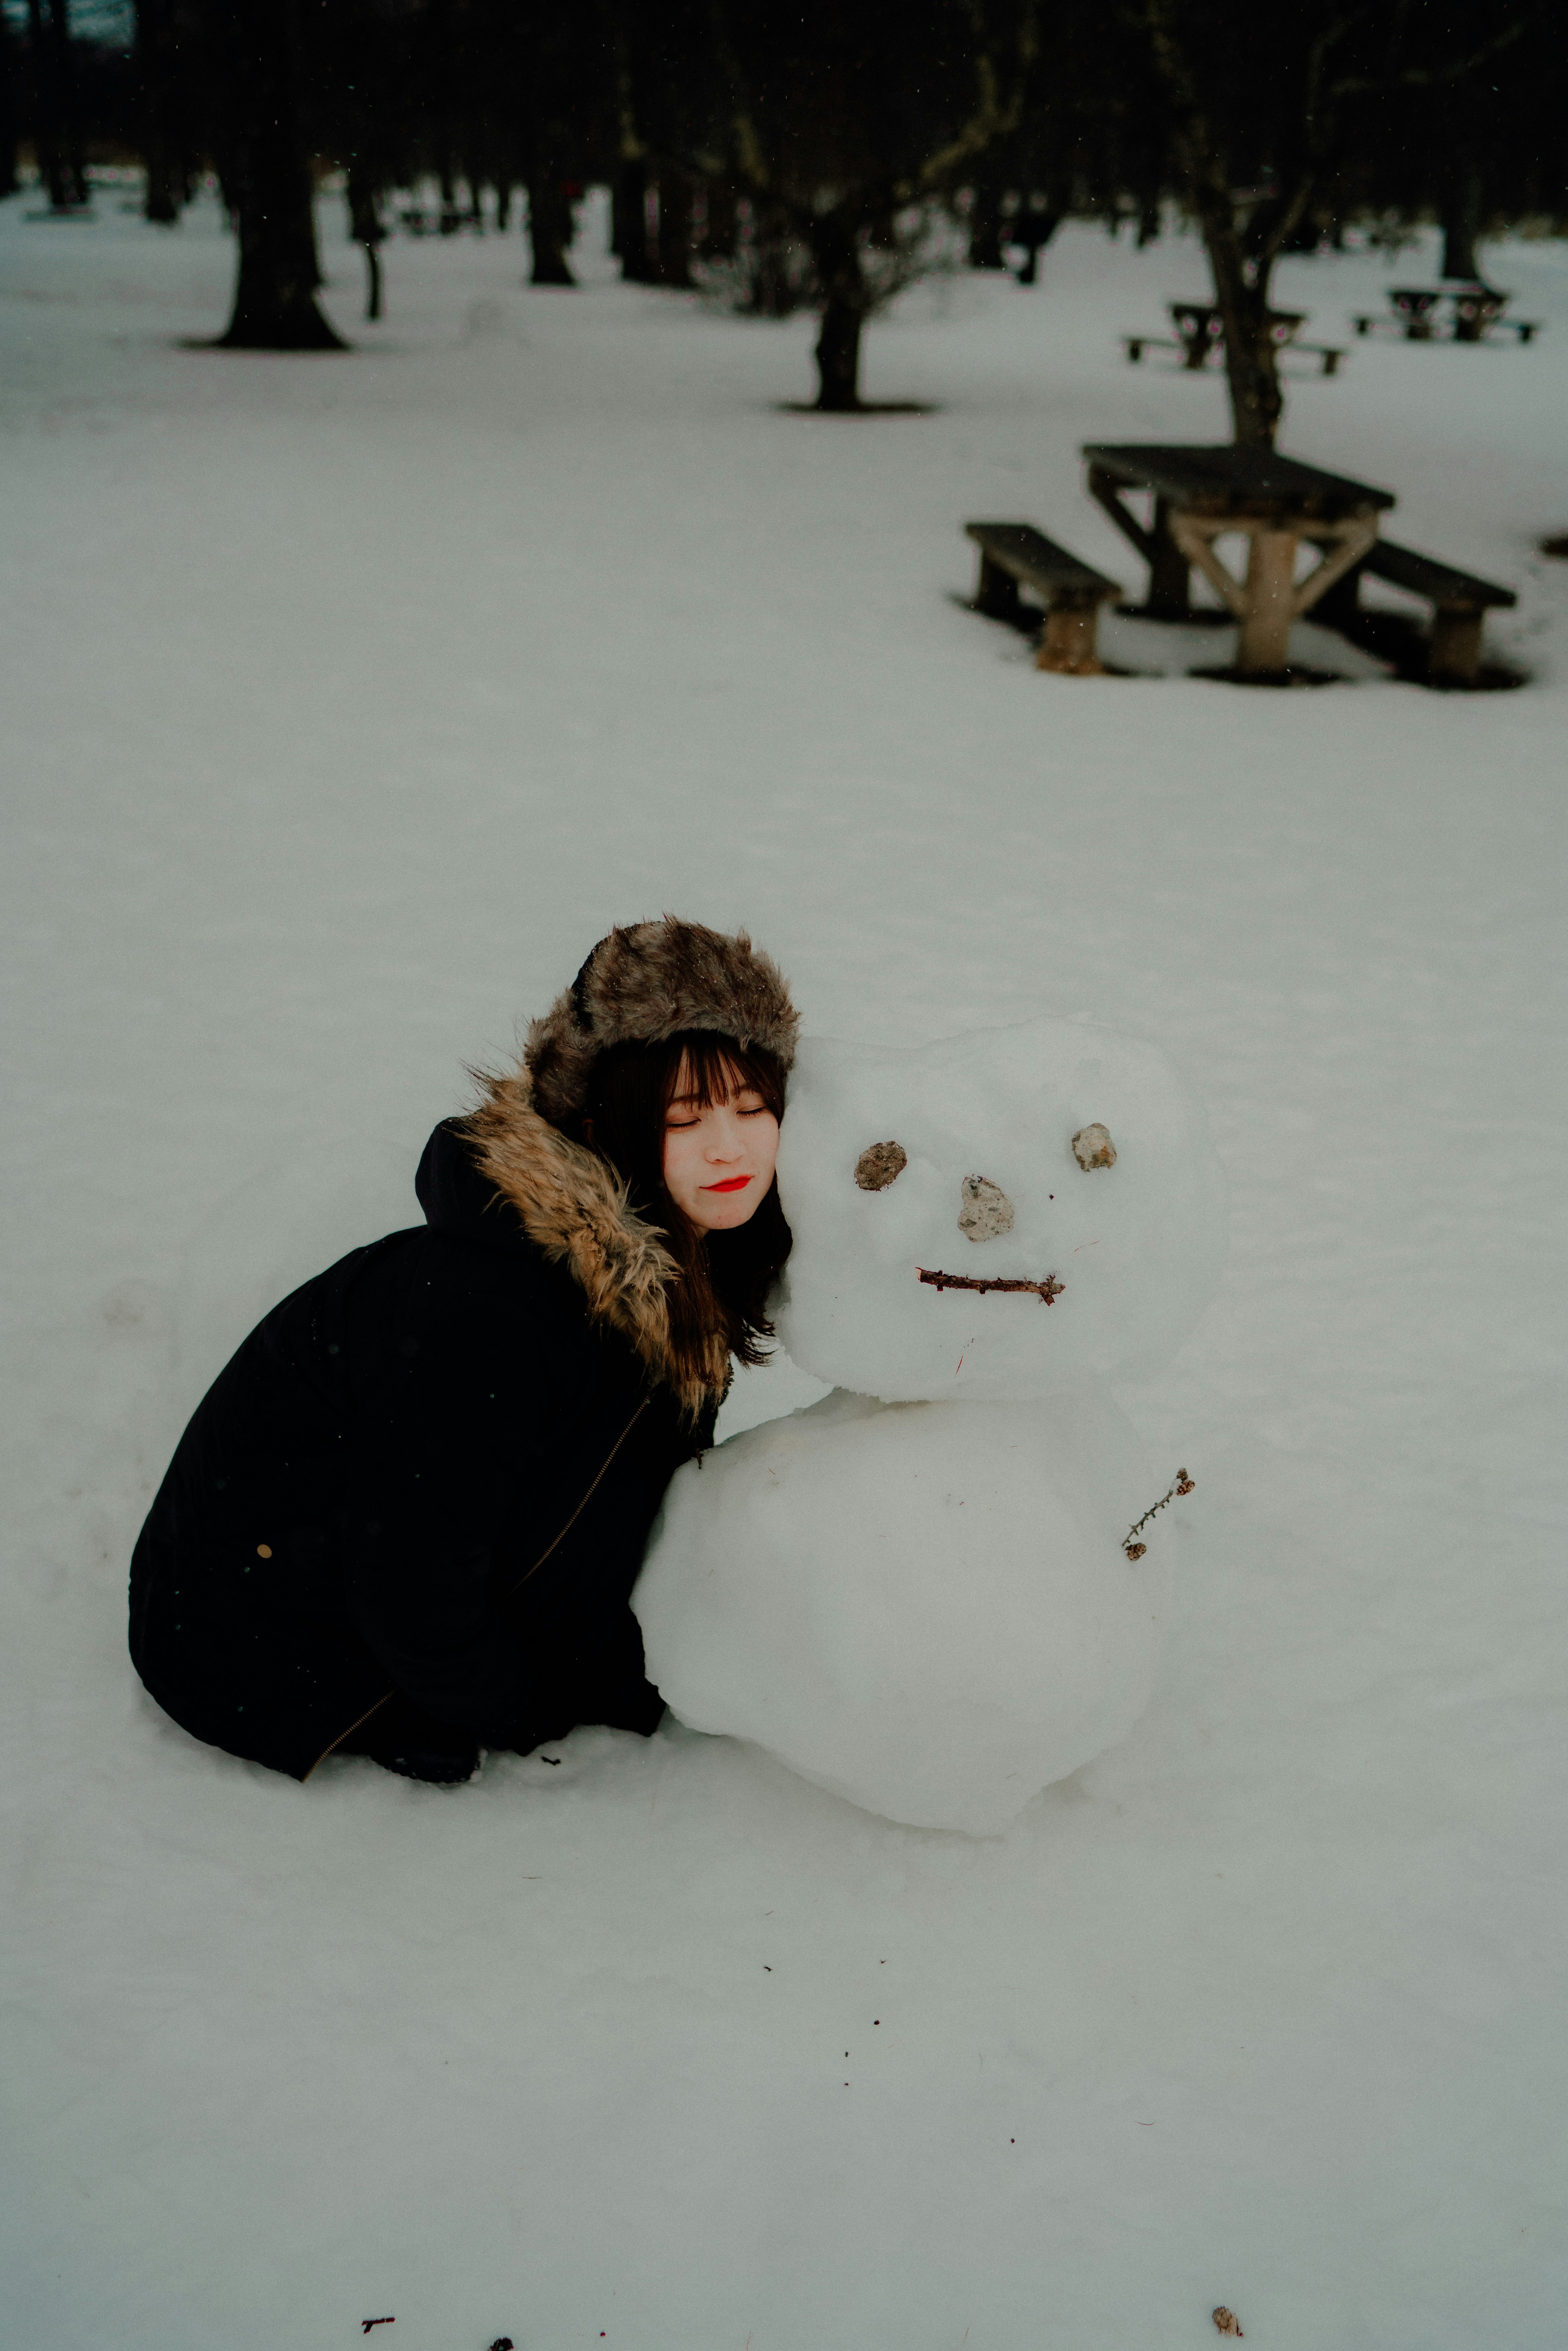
x=711 y=1067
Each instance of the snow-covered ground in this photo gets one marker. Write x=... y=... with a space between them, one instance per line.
x=348 y=699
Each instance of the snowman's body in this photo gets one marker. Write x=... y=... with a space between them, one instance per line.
x=916 y=1592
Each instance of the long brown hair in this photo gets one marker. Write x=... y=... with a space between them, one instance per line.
x=725 y=1277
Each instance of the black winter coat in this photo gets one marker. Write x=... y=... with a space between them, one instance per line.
x=373 y=1496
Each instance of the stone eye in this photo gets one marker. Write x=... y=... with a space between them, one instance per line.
x=879 y=1165
x=1093 y=1147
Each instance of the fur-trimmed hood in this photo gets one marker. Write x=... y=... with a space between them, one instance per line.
x=574 y=1206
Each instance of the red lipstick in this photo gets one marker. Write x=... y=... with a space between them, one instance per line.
x=730 y=1184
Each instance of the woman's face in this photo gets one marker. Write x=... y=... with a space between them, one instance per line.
x=718 y=1161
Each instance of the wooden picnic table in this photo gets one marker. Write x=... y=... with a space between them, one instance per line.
x=1203 y=493
x=1412 y=307
x=1200 y=332
x=1476 y=311
x=1200 y=327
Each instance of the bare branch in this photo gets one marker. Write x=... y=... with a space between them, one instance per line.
x=992 y=120
x=1434 y=77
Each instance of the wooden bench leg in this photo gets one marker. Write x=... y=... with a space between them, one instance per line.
x=998 y=591
x=1339 y=607
x=1265 y=645
x=1170 y=574
x=1455 y=658
x=1067 y=640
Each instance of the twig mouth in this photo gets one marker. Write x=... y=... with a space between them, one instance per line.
x=1046 y=1291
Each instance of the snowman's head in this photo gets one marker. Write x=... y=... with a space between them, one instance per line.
x=995 y=1215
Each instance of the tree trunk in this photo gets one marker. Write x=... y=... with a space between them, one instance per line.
x=1251 y=369
x=266 y=179
x=841 y=291
x=629 y=239
x=838 y=356
x=1461 y=219
x=8 y=108
x=1251 y=358
x=550 y=231
x=674 y=229
x=719 y=234
x=64 y=66
x=774 y=294
x=986 y=225
x=448 y=217
x=59 y=167
x=365 y=228
x=1033 y=229
x=166 y=184
x=165 y=196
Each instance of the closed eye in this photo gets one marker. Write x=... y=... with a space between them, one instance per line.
x=757 y=1109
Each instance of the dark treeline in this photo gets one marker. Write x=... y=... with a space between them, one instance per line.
x=799 y=155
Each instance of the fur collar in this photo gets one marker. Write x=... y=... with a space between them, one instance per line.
x=574 y=1206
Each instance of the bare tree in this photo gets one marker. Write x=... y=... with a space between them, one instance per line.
x=1267 y=100
x=834 y=119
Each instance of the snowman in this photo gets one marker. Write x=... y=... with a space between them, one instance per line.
x=942 y=1587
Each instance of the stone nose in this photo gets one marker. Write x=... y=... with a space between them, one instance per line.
x=984 y=1209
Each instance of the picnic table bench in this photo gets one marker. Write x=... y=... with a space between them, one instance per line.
x=1200 y=330
x=1200 y=493
x=1459 y=602
x=1015 y=554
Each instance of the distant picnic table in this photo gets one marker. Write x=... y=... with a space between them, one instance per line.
x=1478 y=311
x=1200 y=331
x=1201 y=493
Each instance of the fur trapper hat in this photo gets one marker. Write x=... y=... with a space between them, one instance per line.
x=648 y=982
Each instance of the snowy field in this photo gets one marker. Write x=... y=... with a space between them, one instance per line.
x=348 y=701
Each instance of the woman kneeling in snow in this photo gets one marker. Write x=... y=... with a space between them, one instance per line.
x=406 y=1520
